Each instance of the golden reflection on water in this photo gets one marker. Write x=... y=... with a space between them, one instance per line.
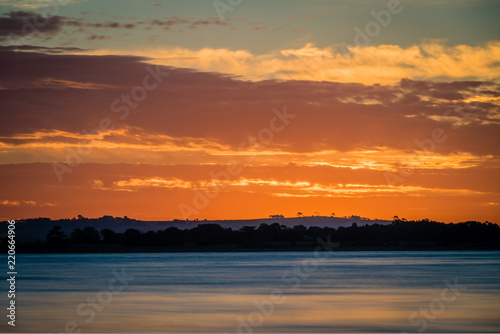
x=335 y=310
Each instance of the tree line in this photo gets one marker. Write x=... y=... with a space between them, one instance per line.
x=249 y=236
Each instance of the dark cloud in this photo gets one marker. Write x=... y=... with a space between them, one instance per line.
x=210 y=21
x=19 y=24
x=189 y=23
x=113 y=25
x=43 y=49
x=23 y=23
x=169 y=22
x=97 y=37
x=442 y=90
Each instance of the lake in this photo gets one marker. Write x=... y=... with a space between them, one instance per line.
x=421 y=291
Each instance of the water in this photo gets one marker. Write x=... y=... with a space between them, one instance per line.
x=258 y=292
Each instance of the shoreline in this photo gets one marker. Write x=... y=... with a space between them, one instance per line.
x=104 y=249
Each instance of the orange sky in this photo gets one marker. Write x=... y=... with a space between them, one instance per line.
x=193 y=130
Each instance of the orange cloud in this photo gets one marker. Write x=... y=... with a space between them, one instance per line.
x=286 y=188
x=62 y=84
x=17 y=203
x=133 y=146
x=384 y=64
x=155 y=192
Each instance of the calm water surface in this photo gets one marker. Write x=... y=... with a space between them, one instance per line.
x=258 y=292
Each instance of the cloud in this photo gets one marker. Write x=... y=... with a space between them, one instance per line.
x=37 y=4
x=187 y=23
x=166 y=24
x=16 y=24
x=7 y=202
x=287 y=188
x=146 y=191
x=72 y=22
x=133 y=145
x=44 y=24
x=46 y=50
x=17 y=203
x=65 y=94
x=51 y=83
x=383 y=64
x=98 y=37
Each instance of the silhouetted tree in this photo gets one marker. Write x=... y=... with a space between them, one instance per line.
x=171 y=236
x=56 y=237
x=132 y=237
x=208 y=234
x=423 y=233
x=109 y=236
x=88 y=235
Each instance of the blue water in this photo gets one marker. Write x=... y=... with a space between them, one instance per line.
x=258 y=292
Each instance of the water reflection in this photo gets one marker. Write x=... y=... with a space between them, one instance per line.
x=225 y=292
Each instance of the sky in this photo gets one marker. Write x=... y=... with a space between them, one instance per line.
x=161 y=110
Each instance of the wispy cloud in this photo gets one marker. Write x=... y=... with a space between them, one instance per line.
x=383 y=64
x=286 y=188
x=36 y=4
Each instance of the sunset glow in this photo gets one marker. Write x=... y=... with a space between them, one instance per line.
x=163 y=110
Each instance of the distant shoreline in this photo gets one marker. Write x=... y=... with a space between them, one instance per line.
x=400 y=235
x=118 y=249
